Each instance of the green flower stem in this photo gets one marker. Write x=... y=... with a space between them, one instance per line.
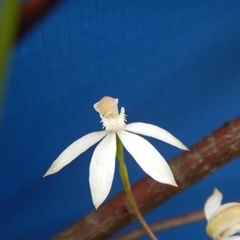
x=9 y=14
x=127 y=188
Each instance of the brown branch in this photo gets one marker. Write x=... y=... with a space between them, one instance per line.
x=164 y=225
x=32 y=11
x=188 y=168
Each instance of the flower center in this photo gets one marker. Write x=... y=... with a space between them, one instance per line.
x=107 y=107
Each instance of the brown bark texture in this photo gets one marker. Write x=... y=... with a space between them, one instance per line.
x=188 y=168
x=31 y=12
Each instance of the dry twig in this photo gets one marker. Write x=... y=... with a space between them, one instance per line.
x=164 y=225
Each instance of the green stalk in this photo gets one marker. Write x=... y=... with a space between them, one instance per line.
x=127 y=188
x=8 y=28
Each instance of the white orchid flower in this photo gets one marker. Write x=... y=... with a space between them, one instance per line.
x=223 y=220
x=102 y=164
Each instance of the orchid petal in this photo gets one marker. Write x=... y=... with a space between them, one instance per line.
x=74 y=150
x=148 y=158
x=102 y=169
x=151 y=130
x=213 y=203
x=232 y=238
x=234 y=229
x=224 y=221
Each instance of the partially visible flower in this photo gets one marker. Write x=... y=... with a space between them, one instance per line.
x=223 y=220
x=102 y=164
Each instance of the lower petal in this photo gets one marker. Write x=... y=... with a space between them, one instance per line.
x=148 y=158
x=102 y=169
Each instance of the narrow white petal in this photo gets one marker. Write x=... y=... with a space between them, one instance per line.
x=102 y=169
x=155 y=132
x=148 y=158
x=74 y=150
x=212 y=203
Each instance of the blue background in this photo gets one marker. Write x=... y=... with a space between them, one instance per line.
x=175 y=64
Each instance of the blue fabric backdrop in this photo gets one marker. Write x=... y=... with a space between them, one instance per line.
x=175 y=64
